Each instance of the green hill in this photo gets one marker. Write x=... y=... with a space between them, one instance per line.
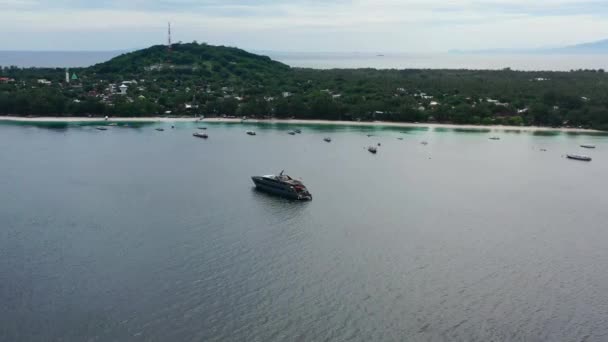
x=192 y=58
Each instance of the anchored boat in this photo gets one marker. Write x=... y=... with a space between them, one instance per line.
x=283 y=186
x=579 y=157
x=328 y=139
x=251 y=132
x=200 y=135
x=372 y=149
x=587 y=146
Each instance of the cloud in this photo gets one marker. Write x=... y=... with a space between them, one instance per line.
x=342 y=25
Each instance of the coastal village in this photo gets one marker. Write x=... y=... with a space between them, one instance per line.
x=238 y=84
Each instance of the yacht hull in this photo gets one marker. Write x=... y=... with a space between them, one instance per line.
x=279 y=190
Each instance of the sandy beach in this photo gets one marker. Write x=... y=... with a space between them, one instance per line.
x=398 y=124
x=93 y=119
x=285 y=121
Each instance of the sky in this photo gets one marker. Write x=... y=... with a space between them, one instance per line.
x=302 y=25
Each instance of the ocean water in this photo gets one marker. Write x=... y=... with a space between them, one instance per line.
x=136 y=235
x=524 y=62
x=320 y=60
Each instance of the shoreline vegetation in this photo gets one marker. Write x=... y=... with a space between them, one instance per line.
x=193 y=79
x=101 y=120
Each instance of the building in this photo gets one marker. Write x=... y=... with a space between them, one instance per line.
x=123 y=89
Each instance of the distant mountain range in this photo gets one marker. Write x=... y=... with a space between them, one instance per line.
x=598 y=47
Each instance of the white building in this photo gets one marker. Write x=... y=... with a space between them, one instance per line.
x=123 y=89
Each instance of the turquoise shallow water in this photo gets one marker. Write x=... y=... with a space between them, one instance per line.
x=134 y=234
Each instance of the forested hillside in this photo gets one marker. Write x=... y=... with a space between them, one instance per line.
x=199 y=79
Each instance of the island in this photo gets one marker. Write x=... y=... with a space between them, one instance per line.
x=200 y=80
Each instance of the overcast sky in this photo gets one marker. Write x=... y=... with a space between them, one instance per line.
x=302 y=25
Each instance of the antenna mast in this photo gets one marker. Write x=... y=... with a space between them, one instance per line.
x=169 y=38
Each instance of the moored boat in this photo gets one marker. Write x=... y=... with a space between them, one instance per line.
x=299 y=131
x=291 y=132
x=200 y=135
x=494 y=138
x=587 y=146
x=100 y=128
x=202 y=128
x=579 y=157
x=328 y=139
x=372 y=149
x=160 y=129
x=251 y=132
x=282 y=185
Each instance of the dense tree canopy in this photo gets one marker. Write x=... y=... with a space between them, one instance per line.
x=199 y=79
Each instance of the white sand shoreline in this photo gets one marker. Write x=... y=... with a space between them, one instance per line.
x=286 y=121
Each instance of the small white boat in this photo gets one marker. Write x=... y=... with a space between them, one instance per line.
x=587 y=146
x=113 y=124
x=100 y=128
x=160 y=129
x=202 y=128
x=494 y=138
x=328 y=139
x=251 y=132
x=372 y=149
x=579 y=157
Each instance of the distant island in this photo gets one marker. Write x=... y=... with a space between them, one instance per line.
x=197 y=80
x=597 y=47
